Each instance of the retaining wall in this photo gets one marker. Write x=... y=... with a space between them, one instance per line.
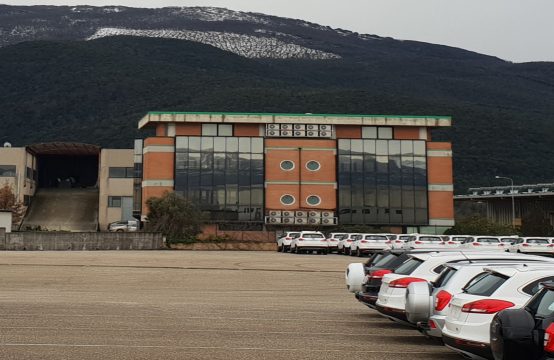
x=81 y=241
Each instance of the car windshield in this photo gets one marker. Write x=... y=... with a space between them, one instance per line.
x=375 y=237
x=374 y=259
x=458 y=238
x=488 y=240
x=508 y=240
x=392 y=237
x=408 y=267
x=430 y=238
x=444 y=277
x=405 y=237
x=313 y=236
x=486 y=285
x=543 y=304
x=356 y=237
x=339 y=236
x=293 y=235
x=537 y=241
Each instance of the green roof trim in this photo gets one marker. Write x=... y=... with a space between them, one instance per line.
x=286 y=114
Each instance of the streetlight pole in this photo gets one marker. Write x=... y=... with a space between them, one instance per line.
x=513 y=198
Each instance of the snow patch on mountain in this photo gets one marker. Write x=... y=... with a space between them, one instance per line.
x=244 y=45
x=219 y=14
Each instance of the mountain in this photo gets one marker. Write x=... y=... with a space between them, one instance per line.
x=66 y=76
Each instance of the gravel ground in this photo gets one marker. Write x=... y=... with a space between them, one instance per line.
x=191 y=305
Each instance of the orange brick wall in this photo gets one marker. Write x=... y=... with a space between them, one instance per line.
x=348 y=132
x=441 y=205
x=155 y=191
x=247 y=130
x=406 y=133
x=188 y=129
x=327 y=193
x=439 y=170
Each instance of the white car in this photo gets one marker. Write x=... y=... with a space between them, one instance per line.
x=308 y=241
x=467 y=323
x=400 y=240
x=427 y=306
x=426 y=267
x=283 y=243
x=344 y=244
x=454 y=241
x=333 y=240
x=124 y=226
x=531 y=245
x=483 y=243
x=420 y=241
x=369 y=243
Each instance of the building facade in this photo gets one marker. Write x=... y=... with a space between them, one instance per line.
x=276 y=171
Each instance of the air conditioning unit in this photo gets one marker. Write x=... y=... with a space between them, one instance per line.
x=300 y=221
x=286 y=126
x=272 y=133
x=327 y=214
x=298 y=133
x=313 y=214
x=314 y=221
x=328 y=221
x=301 y=214
x=287 y=220
x=273 y=126
x=324 y=133
x=313 y=133
x=275 y=213
x=324 y=127
x=272 y=220
x=286 y=133
x=287 y=213
x=312 y=127
x=299 y=127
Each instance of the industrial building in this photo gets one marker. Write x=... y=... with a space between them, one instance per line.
x=69 y=186
x=279 y=171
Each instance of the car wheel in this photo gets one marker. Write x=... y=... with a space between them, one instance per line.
x=279 y=248
x=284 y=249
x=347 y=251
x=119 y=230
x=511 y=335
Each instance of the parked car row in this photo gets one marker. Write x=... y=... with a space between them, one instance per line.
x=481 y=304
x=361 y=244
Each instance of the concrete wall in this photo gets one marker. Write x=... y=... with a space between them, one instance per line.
x=113 y=186
x=81 y=241
x=6 y=221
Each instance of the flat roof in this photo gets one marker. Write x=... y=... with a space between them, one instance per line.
x=285 y=118
x=63 y=148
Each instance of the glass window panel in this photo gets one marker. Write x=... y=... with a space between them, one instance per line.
x=231 y=168
x=369 y=146
x=345 y=217
x=370 y=215
x=219 y=196
x=420 y=171
x=408 y=216
x=383 y=215
x=383 y=196
x=225 y=130
x=369 y=132
x=357 y=168
x=114 y=172
x=257 y=195
x=207 y=162
x=408 y=200
x=194 y=144
x=407 y=147
x=182 y=143
x=395 y=197
x=219 y=144
x=420 y=199
x=244 y=145
x=257 y=169
x=394 y=147
x=207 y=144
x=344 y=146
x=244 y=195
x=421 y=216
x=382 y=147
x=257 y=145
x=356 y=147
x=382 y=164
x=232 y=144
x=419 y=148
x=244 y=169
x=209 y=129
x=232 y=197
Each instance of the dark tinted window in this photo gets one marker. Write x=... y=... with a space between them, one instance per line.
x=408 y=267
x=375 y=237
x=486 y=285
x=439 y=269
x=534 y=287
x=537 y=241
x=543 y=304
x=313 y=236
x=444 y=277
x=430 y=238
x=488 y=240
x=7 y=170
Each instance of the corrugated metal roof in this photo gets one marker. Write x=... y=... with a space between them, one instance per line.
x=64 y=148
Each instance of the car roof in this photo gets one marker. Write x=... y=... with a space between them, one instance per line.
x=511 y=270
x=471 y=254
x=498 y=262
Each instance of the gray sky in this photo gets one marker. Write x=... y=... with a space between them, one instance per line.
x=515 y=30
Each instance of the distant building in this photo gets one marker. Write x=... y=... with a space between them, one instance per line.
x=496 y=202
x=283 y=171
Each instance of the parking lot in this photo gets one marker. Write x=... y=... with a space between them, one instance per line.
x=191 y=305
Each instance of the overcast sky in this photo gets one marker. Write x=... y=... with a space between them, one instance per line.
x=515 y=30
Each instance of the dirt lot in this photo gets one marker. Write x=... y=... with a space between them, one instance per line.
x=191 y=305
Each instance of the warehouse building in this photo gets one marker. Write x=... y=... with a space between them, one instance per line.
x=282 y=171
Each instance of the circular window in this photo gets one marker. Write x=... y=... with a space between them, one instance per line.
x=313 y=200
x=287 y=199
x=313 y=165
x=287 y=165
